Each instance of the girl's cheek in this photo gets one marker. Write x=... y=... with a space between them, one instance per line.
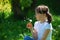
x=36 y=18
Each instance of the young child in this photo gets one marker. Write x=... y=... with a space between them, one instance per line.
x=42 y=28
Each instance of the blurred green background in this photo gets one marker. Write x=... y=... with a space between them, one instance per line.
x=14 y=15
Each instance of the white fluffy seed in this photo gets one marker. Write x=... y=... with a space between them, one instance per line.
x=30 y=20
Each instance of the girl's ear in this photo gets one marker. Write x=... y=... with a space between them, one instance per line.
x=44 y=14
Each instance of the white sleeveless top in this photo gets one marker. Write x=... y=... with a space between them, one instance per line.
x=41 y=27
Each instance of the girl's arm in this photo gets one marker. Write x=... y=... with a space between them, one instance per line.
x=45 y=34
x=34 y=33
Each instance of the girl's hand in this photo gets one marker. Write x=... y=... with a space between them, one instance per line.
x=29 y=25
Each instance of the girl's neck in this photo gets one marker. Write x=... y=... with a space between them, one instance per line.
x=42 y=21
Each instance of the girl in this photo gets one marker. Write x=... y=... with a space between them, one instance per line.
x=42 y=28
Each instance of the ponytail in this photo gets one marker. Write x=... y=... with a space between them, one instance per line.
x=49 y=17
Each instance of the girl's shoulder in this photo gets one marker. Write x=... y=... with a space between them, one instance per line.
x=37 y=22
x=48 y=25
